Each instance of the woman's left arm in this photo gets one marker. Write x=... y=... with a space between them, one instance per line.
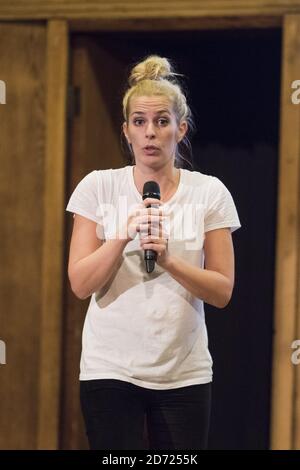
x=214 y=284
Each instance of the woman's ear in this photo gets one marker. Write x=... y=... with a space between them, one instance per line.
x=182 y=130
x=124 y=128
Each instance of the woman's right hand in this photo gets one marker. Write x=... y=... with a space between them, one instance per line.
x=146 y=221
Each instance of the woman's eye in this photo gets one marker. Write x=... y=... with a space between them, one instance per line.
x=164 y=121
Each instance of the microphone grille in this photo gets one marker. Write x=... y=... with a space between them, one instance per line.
x=151 y=189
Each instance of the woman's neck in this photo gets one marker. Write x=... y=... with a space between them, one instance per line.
x=168 y=180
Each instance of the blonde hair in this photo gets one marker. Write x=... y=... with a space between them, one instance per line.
x=154 y=76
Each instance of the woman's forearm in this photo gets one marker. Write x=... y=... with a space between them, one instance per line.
x=92 y=272
x=211 y=286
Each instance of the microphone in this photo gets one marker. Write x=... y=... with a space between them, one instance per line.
x=151 y=189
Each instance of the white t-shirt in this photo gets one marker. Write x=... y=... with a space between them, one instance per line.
x=146 y=328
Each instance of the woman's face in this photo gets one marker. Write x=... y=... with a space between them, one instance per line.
x=152 y=121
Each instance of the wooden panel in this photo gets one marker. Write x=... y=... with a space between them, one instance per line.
x=287 y=257
x=296 y=437
x=170 y=23
x=53 y=241
x=93 y=9
x=296 y=74
x=22 y=158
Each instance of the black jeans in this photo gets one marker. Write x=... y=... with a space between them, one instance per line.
x=113 y=412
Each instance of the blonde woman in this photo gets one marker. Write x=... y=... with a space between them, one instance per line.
x=144 y=345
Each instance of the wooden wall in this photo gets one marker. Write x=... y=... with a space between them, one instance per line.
x=32 y=159
x=22 y=184
x=76 y=9
x=286 y=384
x=33 y=154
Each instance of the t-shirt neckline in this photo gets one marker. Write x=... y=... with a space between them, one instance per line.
x=139 y=196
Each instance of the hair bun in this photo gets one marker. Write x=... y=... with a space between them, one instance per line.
x=153 y=67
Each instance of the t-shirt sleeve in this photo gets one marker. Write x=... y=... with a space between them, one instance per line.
x=84 y=199
x=221 y=211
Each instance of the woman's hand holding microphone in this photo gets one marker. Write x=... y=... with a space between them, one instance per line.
x=150 y=224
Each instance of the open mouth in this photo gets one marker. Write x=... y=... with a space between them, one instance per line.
x=150 y=149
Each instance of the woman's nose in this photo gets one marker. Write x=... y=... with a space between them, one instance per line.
x=150 y=130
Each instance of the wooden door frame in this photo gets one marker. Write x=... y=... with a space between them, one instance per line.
x=285 y=415
x=53 y=269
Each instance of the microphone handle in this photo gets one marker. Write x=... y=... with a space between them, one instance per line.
x=150 y=256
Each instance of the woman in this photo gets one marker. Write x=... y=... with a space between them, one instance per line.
x=144 y=346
